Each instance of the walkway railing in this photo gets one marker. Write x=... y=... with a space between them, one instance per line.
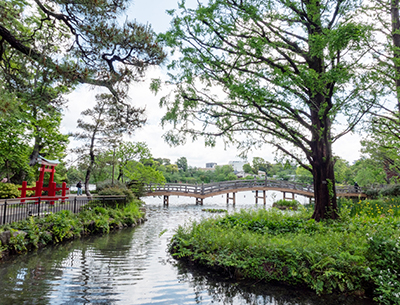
x=12 y=210
x=210 y=188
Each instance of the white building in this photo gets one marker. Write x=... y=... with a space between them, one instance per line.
x=237 y=165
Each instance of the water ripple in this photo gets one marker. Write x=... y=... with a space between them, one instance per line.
x=132 y=266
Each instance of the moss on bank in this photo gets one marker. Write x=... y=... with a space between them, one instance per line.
x=357 y=255
x=32 y=233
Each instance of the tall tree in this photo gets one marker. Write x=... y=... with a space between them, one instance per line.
x=14 y=149
x=383 y=138
x=285 y=71
x=90 y=44
x=108 y=120
x=39 y=97
x=128 y=151
x=182 y=163
x=259 y=164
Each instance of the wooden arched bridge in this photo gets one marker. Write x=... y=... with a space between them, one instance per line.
x=201 y=191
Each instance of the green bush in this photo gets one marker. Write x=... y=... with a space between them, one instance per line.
x=109 y=184
x=391 y=190
x=372 y=193
x=356 y=255
x=9 y=190
x=286 y=203
x=65 y=225
x=110 y=191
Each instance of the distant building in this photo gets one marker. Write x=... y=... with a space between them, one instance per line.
x=211 y=165
x=237 y=165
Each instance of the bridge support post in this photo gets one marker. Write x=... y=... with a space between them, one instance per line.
x=286 y=197
x=263 y=197
x=166 y=200
x=233 y=198
x=199 y=201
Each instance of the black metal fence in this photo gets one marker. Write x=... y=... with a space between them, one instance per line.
x=12 y=210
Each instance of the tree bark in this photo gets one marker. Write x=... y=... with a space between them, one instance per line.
x=322 y=160
x=324 y=185
x=35 y=153
x=323 y=163
x=90 y=167
x=394 y=11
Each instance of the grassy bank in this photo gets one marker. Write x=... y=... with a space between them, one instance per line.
x=360 y=254
x=20 y=237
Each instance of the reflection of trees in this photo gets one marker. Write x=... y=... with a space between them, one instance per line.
x=224 y=290
x=52 y=272
x=28 y=275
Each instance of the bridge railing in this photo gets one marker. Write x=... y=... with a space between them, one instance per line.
x=208 y=188
x=204 y=189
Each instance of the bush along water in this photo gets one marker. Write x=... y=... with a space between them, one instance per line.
x=357 y=255
x=94 y=218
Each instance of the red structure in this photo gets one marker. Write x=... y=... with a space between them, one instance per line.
x=46 y=166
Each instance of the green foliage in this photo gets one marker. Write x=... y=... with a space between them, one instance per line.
x=109 y=184
x=215 y=210
x=53 y=228
x=14 y=148
x=294 y=48
x=120 y=191
x=391 y=190
x=9 y=190
x=182 y=164
x=368 y=171
x=61 y=225
x=248 y=169
x=303 y=175
x=18 y=243
x=128 y=48
x=343 y=172
x=383 y=249
x=286 y=203
x=376 y=208
x=357 y=255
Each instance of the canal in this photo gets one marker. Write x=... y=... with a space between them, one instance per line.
x=132 y=266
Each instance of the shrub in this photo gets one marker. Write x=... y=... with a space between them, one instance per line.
x=286 y=203
x=383 y=254
x=9 y=190
x=357 y=255
x=372 y=193
x=64 y=225
x=109 y=184
x=110 y=191
x=391 y=190
x=137 y=188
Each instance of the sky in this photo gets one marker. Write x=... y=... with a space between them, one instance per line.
x=153 y=12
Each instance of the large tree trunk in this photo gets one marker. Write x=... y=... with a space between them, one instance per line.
x=323 y=162
x=324 y=186
x=394 y=10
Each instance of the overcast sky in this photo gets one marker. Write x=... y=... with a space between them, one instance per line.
x=154 y=13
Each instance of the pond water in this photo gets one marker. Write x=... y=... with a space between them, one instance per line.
x=132 y=266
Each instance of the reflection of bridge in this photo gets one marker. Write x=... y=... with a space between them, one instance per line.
x=201 y=191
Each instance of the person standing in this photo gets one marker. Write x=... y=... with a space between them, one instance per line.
x=79 y=186
x=356 y=186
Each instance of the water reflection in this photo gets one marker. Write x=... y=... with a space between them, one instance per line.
x=132 y=267
x=223 y=290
